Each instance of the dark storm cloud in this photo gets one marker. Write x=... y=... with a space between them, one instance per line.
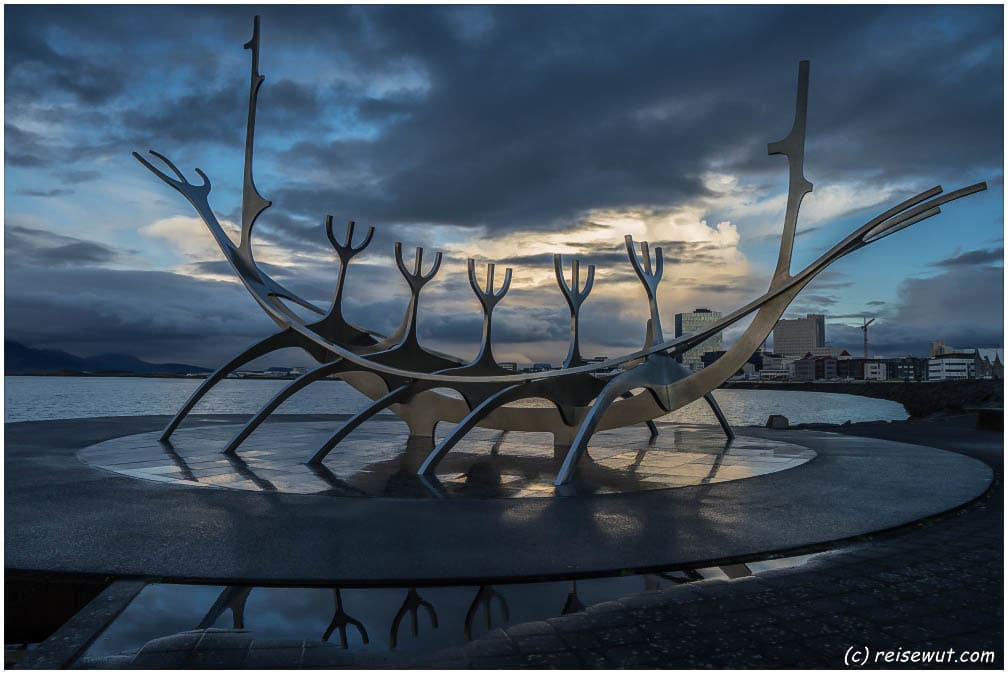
x=23 y=148
x=383 y=109
x=74 y=177
x=973 y=257
x=817 y=301
x=27 y=149
x=814 y=299
x=615 y=257
x=148 y=314
x=977 y=293
x=963 y=306
x=508 y=118
x=30 y=247
x=517 y=117
x=774 y=236
x=223 y=268
x=504 y=161
x=831 y=280
x=217 y=115
x=512 y=325
x=305 y=233
x=55 y=192
x=604 y=321
x=721 y=287
x=35 y=67
x=207 y=116
x=887 y=340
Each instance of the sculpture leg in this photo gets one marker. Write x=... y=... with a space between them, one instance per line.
x=280 y=340
x=467 y=423
x=613 y=390
x=277 y=400
x=722 y=419
x=391 y=398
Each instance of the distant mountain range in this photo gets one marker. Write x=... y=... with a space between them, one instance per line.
x=21 y=359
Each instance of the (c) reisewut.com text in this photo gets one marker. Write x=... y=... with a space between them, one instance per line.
x=860 y=656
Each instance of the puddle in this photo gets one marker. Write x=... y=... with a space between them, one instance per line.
x=384 y=615
x=378 y=461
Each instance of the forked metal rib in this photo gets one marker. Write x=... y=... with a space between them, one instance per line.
x=650 y=279
x=488 y=298
x=575 y=297
x=416 y=281
x=333 y=325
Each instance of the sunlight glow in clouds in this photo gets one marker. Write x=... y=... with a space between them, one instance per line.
x=763 y=212
x=189 y=237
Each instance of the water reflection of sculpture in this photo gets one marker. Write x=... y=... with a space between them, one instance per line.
x=401 y=375
x=487 y=602
x=483 y=478
x=235 y=597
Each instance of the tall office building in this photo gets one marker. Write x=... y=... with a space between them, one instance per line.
x=794 y=338
x=697 y=320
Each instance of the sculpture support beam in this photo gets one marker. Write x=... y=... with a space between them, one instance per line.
x=394 y=396
x=278 y=399
x=720 y=416
x=280 y=340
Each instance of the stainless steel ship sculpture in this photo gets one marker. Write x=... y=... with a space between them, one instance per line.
x=399 y=374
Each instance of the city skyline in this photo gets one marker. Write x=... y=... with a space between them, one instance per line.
x=402 y=131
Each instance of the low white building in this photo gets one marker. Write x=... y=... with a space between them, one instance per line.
x=775 y=366
x=951 y=366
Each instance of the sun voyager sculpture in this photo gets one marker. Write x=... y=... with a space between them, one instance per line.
x=399 y=374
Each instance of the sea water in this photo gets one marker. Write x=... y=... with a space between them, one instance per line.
x=37 y=398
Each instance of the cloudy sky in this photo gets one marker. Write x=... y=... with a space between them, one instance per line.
x=506 y=134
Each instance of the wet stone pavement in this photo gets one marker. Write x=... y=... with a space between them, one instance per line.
x=935 y=587
x=376 y=461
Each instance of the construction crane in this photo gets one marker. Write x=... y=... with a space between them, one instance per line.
x=864 y=329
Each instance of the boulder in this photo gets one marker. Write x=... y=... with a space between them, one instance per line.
x=777 y=421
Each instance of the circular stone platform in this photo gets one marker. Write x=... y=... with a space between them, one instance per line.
x=376 y=460
x=64 y=515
